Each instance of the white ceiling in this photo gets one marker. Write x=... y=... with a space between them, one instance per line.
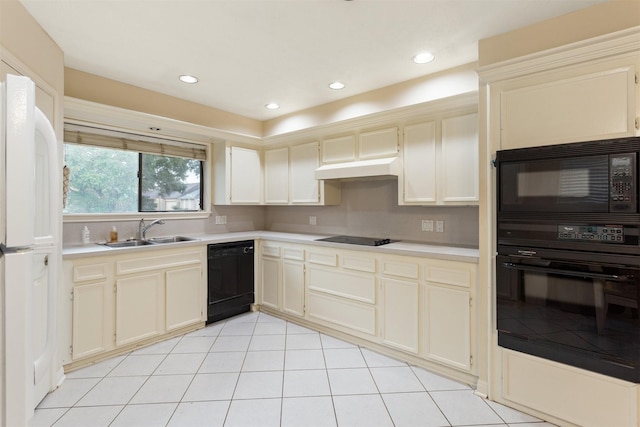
x=248 y=53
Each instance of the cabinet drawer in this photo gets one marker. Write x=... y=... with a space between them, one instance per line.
x=273 y=251
x=83 y=273
x=323 y=258
x=293 y=253
x=407 y=270
x=358 y=287
x=359 y=263
x=152 y=263
x=353 y=315
x=450 y=276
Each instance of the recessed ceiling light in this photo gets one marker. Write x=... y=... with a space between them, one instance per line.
x=336 y=85
x=272 y=106
x=423 y=58
x=185 y=78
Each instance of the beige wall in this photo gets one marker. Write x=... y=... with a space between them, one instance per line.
x=91 y=87
x=23 y=37
x=593 y=21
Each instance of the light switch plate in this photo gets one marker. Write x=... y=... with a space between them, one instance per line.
x=439 y=226
x=312 y=220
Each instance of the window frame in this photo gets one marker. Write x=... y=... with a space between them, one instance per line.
x=205 y=202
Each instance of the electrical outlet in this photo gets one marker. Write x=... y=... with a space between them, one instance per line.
x=312 y=220
x=439 y=226
x=427 y=225
x=221 y=219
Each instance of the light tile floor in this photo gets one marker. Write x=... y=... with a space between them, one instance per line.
x=257 y=370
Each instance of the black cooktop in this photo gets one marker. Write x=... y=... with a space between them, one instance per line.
x=354 y=240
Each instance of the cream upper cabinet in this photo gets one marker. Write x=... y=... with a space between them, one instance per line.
x=339 y=149
x=304 y=188
x=579 y=104
x=419 y=152
x=305 y=159
x=276 y=176
x=440 y=162
x=237 y=175
x=378 y=143
x=459 y=159
x=367 y=145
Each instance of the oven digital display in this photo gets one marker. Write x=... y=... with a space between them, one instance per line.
x=592 y=233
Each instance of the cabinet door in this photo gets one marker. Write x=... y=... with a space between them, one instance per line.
x=459 y=165
x=400 y=314
x=271 y=282
x=446 y=326
x=293 y=287
x=598 y=103
x=183 y=297
x=305 y=159
x=341 y=149
x=276 y=176
x=246 y=175
x=90 y=327
x=378 y=143
x=419 y=151
x=139 y=308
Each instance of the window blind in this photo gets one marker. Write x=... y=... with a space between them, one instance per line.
x=76 y=134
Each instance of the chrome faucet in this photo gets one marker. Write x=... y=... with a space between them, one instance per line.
x=142 y=229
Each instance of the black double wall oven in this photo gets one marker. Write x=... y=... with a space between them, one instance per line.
x=568 y=261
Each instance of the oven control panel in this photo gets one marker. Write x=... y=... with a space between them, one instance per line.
x=622 y=178
x=592 y=233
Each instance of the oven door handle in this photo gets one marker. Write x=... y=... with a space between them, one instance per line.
x=611 y=277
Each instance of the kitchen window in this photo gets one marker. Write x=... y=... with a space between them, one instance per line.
x=117 y=173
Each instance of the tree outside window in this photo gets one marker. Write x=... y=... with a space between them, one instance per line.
x=105 y=180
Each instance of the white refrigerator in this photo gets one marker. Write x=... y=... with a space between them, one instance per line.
x=30 y=209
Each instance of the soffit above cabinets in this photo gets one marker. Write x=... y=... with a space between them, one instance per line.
x=251 y=53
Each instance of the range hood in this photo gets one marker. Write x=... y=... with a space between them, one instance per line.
x=389 y=166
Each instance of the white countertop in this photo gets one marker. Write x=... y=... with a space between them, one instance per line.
x=397 y=248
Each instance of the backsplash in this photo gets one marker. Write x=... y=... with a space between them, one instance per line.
x=368 y=208
x=239 y=218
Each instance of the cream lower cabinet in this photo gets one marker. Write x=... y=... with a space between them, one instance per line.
x=342 y=296
x=125 y=299
x=183 y=297
x=293 y=271
x=270 y=275
x=283 y=278
x=92 y=307
x=420 y=306
x=139 y=308
x=400 y=304
x=446 y=313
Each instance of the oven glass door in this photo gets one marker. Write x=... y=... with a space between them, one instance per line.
x=573 y=184
x=584 y=314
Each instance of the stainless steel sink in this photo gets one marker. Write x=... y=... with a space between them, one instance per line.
x=128 y=243
x=170 y=239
